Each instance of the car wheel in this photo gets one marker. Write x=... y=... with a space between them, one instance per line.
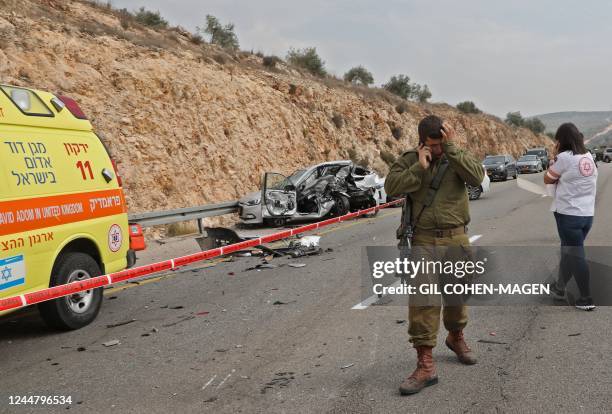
x=77 y=310
x=374 y=203
x=474 y=192
x=341 y=206
x=515 y=174
x=505 y=176
x=276 y=221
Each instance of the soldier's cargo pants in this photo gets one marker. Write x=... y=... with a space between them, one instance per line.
x=424 y=320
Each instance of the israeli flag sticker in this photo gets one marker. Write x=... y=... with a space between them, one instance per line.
x=12 y=272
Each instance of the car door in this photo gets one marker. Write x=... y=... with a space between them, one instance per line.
x=511 y=164
x=278 y=196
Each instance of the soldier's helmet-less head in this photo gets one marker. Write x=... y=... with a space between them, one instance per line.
x=430 y=134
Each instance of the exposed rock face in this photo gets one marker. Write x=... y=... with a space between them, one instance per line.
x=187 y=130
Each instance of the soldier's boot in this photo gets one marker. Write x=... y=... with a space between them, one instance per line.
x=423 y=376
x=456 y=343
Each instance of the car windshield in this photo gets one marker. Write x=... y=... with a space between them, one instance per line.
x=535 y=152
x=528 y=158
x=493 y=160
x=294 y=178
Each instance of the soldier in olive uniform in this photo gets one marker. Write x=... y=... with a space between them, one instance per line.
x=441 y=224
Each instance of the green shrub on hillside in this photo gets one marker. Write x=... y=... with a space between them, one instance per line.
x=271 y=61
x=150 y=18
x=308 y=59
x=338 y=120
x=468 y=107
x=223 y=36
x=514 y=119
x=359 y=76
x=401 y=107
x=535 y=125
x=401 y=86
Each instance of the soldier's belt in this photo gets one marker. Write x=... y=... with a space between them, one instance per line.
x=440 y=233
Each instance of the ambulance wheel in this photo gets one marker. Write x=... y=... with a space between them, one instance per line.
x=77 y=310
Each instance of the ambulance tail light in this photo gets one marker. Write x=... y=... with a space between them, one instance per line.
x=119 y=180
x=73 y=107
x=137 y=240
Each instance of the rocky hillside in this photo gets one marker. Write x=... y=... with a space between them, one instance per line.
x=595 y=125
x=191 y=125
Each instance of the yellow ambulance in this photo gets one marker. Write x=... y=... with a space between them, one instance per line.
x=63 y=216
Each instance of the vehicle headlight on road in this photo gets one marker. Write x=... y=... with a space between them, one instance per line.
x=253 y=202
x=500 y=168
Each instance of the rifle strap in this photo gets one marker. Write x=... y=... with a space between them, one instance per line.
x=433 y=188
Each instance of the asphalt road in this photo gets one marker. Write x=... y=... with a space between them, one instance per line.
x=217 y=338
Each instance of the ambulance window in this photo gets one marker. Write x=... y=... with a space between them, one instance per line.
x=27 y=101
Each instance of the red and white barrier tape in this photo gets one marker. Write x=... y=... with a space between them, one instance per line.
x=55 y=292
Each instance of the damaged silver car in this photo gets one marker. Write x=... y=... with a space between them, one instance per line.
x=324 y=190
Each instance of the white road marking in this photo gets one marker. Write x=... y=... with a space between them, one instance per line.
x=372 y=299
x=531 y=187
x=369 y=301
x=226 y=378
x=209 y=382
x=475 y=237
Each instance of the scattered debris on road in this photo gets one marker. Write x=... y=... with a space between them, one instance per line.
x=283 y=379
x=278 y=302
x=111 y=343
x=487 y=341
x=297 y=264
x=575 y=334
x=184 y=319
x=308 y=241
x=114 y=325
x=347 y=366
x=260 y=266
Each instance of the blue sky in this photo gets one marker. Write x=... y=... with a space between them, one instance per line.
x=529 y=56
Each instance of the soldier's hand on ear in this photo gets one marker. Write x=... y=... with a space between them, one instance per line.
x=424 y=155
x=448 y=132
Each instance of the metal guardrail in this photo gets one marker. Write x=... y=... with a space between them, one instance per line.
x=156 y=218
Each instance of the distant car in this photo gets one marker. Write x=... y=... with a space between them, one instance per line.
x=529 y=164
x=500 y=167
x=474 y=192
x=607 y=155
x=323 y=190
x=597 y=154
x=542 y=154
